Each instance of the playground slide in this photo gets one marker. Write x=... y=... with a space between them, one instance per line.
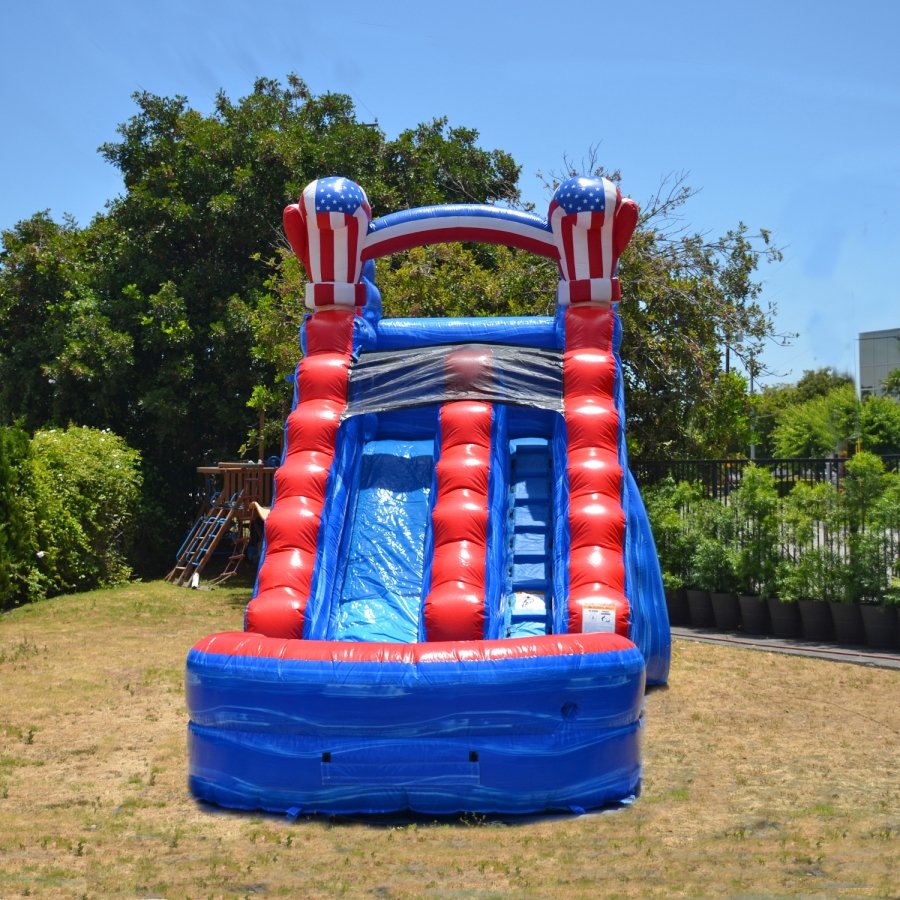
x=458 y=603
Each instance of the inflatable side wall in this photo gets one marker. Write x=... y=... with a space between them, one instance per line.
x=459 y=602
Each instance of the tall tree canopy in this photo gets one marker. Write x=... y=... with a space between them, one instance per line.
x=775 y=400
x=172 y=317
x=834 y=422
x=151 y=319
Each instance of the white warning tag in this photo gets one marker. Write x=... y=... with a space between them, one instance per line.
x=598 y=617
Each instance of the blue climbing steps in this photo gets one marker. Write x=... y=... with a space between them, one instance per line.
x=529 y=534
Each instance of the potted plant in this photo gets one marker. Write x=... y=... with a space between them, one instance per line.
x=810 y=575
x=784 y=613
x=666 y=503
x=714 y=566
x=874 y=576
x=676 y=599
x=756 y=513
x=879 y=609
x=866 y=572
x=699 y=604
x=823 y=568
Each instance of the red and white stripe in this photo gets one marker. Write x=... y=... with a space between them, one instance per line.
x=585 y=243
x=416 y=232
x=334 y=243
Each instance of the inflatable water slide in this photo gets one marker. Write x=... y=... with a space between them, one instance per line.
x=459 y=603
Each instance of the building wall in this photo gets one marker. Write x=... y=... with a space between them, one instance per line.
x=879 y=354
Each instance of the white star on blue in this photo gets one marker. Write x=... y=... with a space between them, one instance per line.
x=581 y=195
x=336 y=194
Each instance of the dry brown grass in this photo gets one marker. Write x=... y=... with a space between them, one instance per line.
x=765 y=775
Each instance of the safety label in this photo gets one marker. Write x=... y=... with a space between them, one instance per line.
x=598 y=617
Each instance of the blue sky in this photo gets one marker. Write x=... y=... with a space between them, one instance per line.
x=786 y=115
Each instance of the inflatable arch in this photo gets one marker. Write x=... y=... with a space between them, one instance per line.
x=459 y=602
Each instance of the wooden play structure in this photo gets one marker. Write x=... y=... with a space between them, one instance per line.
x=235 y=495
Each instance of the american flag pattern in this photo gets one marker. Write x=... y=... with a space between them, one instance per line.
x=333 y=216
x=583 y=216
x=587 y=226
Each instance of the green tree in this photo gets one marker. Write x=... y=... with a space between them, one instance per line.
x=818 y=383
x=200 y=222
x=819 y=427
x=879 y=424
x=891 y=384
x=829 y=424
x=60 y=356
x=456 y=280
x=720 y=423
x=772 y=399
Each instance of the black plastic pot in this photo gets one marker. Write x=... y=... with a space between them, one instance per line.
x=726 y=610
x=881 y=626
x=816 y=621
x=785 y=618
x=754 y=614
x=677 y=606
x=848 y=623
x=701 y=609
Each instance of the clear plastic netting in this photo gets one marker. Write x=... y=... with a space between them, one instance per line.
x=520 y=376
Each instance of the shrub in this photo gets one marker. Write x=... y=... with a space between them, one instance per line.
x=714 y=562
x=871 y=509
x=756 y=510
x=812 y=529
x=17 y=535
x=668 y=506
x=87 y=486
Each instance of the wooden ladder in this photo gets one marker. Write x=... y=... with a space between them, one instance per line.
x=238 y=554
x=203 y=538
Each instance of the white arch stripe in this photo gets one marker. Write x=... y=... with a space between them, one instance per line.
x=460 y=223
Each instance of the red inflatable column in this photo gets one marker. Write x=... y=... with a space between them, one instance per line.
x=454 y=607
x=592 y=224
x=326 y=230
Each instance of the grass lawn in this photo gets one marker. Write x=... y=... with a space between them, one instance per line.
x=764 y=776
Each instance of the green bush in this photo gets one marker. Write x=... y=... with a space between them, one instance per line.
x=817 y=542
x=87 y=487
x=871 y=511
x=816 y=574
x=17 y=534
x=668 y=506
x=755 y=505
x=812 y=520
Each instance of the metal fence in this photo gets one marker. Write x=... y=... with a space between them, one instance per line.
x=833 y=542
x=721 y=476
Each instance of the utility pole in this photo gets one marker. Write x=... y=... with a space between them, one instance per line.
x=752 y=370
